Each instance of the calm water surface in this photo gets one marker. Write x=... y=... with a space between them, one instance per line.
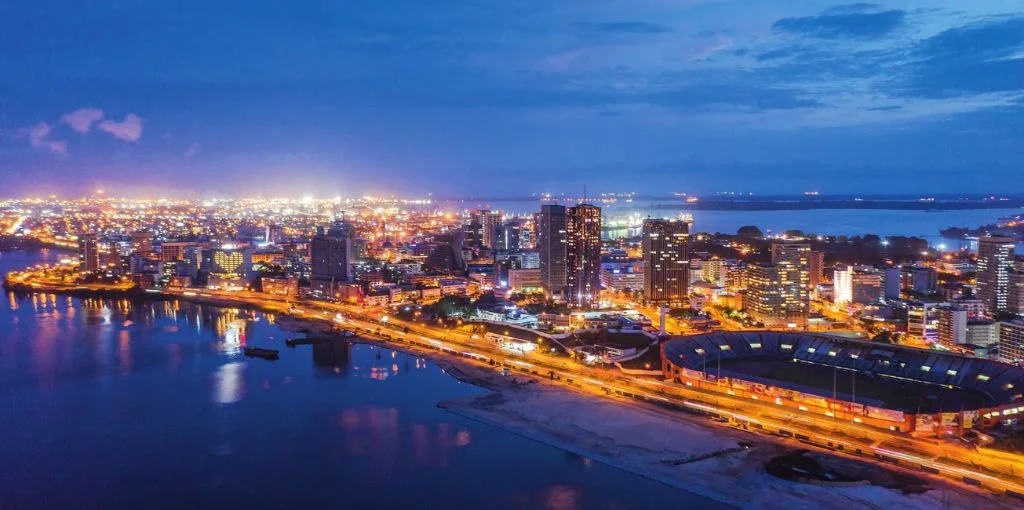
x=108 y=404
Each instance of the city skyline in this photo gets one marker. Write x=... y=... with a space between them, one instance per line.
x=188 y=99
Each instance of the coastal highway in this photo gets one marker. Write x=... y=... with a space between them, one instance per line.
x=994 y=470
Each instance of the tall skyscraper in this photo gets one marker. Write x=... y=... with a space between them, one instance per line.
x=553 y=243
x=666 y=255
x=487 y=225
x=88 y=253
x=995 y=261
x=331 y=255
x=793 y=262
x=816 y=266
x=766 y=295
x=510 y=237
x=952 y=326
x=583 y=254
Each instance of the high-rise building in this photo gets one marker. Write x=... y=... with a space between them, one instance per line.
x=511 y=236
x=1011 y=341
x=766 y=295
x=486 y=224
x=893 y=282
x=227 y=261
x=859 y=285
x=995 y=260
x=793 y=262
x=920 y=279
x=816 y=268
x=142 y=241
x=331 y=256
x=583 y=254
x=552 y=239
x=952 y=326
x=714 y=271
x=666 y=256
x=922 y=321
x=1015 y=301
x=88 y=253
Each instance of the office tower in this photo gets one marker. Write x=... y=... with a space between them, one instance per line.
x=793 y=262
x=331 y=255
x=995 y=260
x=922 y=322
x=816 y=268
x=227 y=261
x=142 y=241
x=1015 y=300
x=920 y=279
x=510 y=237
x=714 y=271
x=952 y=326
x=447 y=254
x=552 y=241
x=583 y=254
x=666 y=257
x=485 y=226
x=88 y=253
x=860 y=285
x=766 y=295
x=893 y=282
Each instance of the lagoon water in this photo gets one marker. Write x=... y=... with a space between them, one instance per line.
x=111 y=404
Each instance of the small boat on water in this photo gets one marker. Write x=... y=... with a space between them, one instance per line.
x=260 y=352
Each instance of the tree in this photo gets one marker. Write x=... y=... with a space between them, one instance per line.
x=884 y=337
x=749 y=231
x=453 y=306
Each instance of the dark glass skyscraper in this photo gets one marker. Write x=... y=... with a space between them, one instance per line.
x=552 y=242
x=666 y=252
x=583 y=254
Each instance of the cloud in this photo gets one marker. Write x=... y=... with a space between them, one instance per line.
x=625 y=27
x=974 y=59
x=129 y=130
x=193 y=149
x=82 y=119
x=836 y=26
x=39 y=136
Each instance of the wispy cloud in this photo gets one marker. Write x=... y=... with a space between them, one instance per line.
x=82 y=119
x=129 y=130
x=831 y=26
x=39 y=137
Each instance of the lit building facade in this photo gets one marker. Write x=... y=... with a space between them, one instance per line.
x=1011 y=341
x=88 y=253
x=995 y=261
x=859 y=285
x=952 y=327
x=766 y=296
x=666 y=256
x=793 y=262
x=583 y=254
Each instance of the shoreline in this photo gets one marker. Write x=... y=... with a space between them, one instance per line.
x=583 y=413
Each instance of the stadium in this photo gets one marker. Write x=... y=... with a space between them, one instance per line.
x=889 y=386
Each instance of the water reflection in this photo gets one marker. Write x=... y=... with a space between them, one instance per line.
x=332 y=354
x=229 y=383
x=107 y=403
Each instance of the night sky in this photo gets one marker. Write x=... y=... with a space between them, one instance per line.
x=499 y=97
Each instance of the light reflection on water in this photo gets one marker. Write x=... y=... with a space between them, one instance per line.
x=120 y=404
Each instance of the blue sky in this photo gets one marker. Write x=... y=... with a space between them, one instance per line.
x=459 y=97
